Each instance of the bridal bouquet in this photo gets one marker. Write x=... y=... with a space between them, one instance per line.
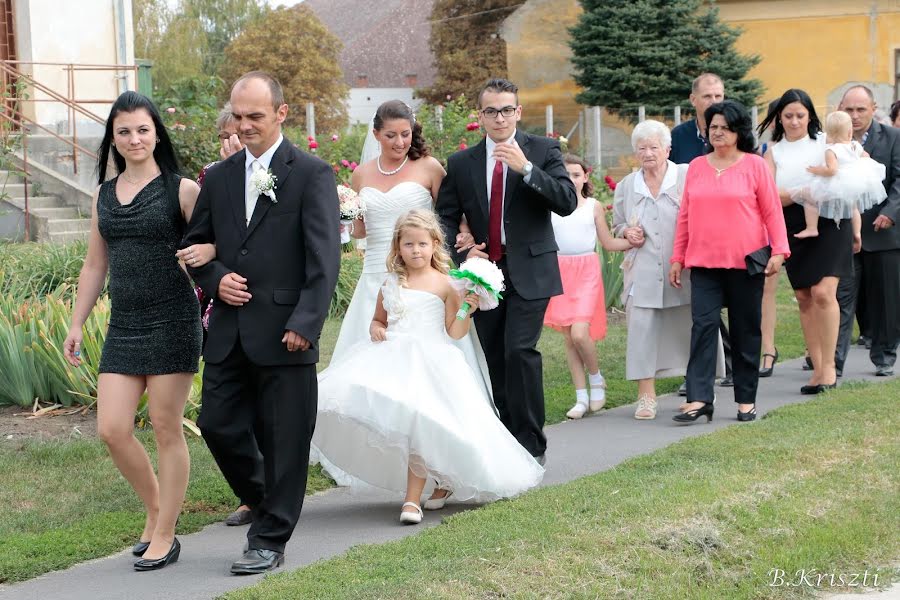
x=351 y=207
x=481 y=276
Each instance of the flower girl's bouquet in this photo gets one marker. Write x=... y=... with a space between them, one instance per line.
x=481 y=276
x=351 y=207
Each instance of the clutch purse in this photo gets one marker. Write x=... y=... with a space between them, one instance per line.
x=757 y=260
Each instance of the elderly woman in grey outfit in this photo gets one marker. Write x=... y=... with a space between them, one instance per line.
x=658 y=315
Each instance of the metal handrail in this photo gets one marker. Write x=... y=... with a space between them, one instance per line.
x=12 y=113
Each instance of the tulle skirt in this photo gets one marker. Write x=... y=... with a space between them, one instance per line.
x=856 y=185
x=415 y=403
x=583 y=299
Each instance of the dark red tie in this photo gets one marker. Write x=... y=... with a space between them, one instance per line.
x=495 y=216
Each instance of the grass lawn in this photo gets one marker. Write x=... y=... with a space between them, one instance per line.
x=814 y=486
x=64 y=502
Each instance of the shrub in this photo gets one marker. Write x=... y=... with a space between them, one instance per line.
x=189 y=109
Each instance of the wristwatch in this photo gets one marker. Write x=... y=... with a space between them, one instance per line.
x=527 y=169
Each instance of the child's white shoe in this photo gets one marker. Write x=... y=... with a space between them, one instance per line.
x=598 y=391
x=409 y=517
x=577 y=411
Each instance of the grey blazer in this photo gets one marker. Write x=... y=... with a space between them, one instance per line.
x=883 y=145
x=647 y=277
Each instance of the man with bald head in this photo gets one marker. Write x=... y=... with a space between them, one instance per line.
x=270 y=209
x=877 y=266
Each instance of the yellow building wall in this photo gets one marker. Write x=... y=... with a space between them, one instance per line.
x=819 y=47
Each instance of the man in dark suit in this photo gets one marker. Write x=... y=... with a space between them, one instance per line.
x=506 y=187
x=876 y=280
x=278 y=255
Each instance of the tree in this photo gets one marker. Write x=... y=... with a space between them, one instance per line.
x=467 y=47
x=223 y=21
x=292 y=44
x=643 y=52
x=180 y=53
x=151 y=18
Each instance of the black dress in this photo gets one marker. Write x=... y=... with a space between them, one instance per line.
x=154 y=325
x=828 y=255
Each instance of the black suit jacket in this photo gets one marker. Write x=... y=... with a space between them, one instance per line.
x=289 y=253
x=530 y=244
x=883 y=145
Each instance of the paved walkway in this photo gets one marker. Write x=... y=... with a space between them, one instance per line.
x=335 y=520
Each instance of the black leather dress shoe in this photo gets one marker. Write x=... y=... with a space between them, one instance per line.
x=239 y=517
x=884 y=371
x=158 y=563
x=257 y=560
x=139 y=548
x=726 y=381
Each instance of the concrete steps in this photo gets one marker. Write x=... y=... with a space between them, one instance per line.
x=50 y=219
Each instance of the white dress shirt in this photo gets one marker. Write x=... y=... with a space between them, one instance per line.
x=490 y=162
x=250 y=195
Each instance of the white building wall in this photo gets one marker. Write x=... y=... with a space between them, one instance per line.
x=363 y=102
x=81 y=32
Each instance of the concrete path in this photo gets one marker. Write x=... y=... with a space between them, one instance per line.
x=335 y=520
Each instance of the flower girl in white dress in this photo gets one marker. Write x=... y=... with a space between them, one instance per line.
x=405 y=405
x=848 y=184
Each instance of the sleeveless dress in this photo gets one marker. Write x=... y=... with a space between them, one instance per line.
x=583 y=299
x=831 y=253
x=414 y=401
x=857 y=184
x=382 y=211
x=154 y=324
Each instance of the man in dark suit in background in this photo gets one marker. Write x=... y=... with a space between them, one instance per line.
x=278 y=254
x=506 y=187
x=876 y=280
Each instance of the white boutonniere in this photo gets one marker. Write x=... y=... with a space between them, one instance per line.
x=263 y=182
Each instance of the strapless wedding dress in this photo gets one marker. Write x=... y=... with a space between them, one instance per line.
x=414 y=401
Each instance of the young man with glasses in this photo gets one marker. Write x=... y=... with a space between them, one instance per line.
x=506 y=186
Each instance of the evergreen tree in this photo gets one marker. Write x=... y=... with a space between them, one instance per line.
x=631 y=53
x=467 y=47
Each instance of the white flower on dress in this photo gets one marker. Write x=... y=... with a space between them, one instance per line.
x=390 y=294
x=263 y=182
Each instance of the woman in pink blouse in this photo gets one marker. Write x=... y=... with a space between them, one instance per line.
x=729 y=209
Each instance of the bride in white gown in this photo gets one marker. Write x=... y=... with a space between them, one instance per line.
x=396 y=177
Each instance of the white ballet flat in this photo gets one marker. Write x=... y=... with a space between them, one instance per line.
x=436 y=503
x=411 y=518
x=577 y=411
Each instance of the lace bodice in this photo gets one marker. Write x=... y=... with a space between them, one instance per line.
x=413 y=311
x=382 y=211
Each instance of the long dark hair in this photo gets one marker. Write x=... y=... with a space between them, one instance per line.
x=163 y=153
x=789 y=97
x=398 y=109
x=738 y=119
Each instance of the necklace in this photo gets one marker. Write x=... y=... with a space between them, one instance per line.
x=138 y=181
x=389 y=173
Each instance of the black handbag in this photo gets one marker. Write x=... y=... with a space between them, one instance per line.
x=757 y=260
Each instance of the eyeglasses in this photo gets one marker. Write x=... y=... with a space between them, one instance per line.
x=491 y=113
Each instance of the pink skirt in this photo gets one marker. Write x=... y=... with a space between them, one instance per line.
x=582 y=300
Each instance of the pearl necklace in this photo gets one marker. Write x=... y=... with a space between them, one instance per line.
x=389 y=173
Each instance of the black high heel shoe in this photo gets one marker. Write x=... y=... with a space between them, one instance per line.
x=750 y=415
x=768 y=371
x=158 y=563
x=689 y=416
x=139 y=548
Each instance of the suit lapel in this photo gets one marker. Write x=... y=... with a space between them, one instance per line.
x=513 y=179
x=237 y=185
x=872 y=139
x=281 y=169
x=479 y=177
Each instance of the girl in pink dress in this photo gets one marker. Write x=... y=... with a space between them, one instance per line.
x=580 y=312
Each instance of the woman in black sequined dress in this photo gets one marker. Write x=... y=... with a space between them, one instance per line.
x=154 y=339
